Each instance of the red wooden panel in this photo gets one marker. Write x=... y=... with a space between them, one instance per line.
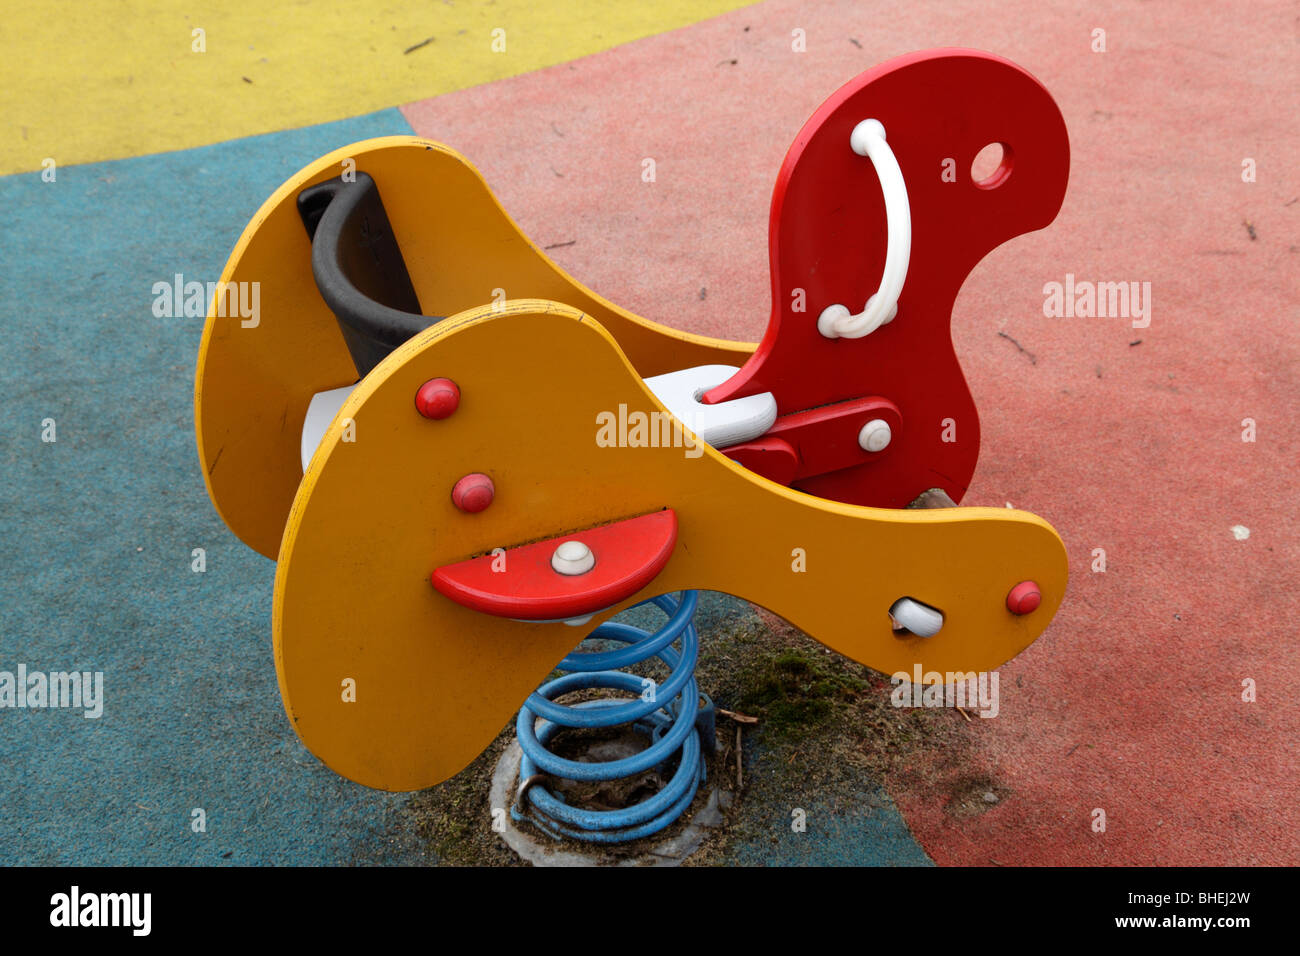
x=827 y=237
x=629 y=555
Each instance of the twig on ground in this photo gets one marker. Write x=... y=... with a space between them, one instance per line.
x=1032 y=359
x=740 y=774
x=738 y=718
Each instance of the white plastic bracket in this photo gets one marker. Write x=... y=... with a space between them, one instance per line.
x=720 y=425
x=324 y=406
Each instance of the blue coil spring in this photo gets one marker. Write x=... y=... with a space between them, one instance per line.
x=668 y=716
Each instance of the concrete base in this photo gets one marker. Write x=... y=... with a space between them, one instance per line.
x=541 y=850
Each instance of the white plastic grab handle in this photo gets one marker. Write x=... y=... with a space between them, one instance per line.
x=868 y=140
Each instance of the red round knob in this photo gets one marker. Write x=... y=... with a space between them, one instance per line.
x=473 y=493
x=438 y=398
x=1024 y=598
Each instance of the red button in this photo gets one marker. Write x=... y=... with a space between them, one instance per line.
x=473 y=493
x=438 y=398
x=1024 y=598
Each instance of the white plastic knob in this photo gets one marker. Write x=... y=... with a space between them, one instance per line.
x=875 y=435
x=921 y=619
x=572 y=558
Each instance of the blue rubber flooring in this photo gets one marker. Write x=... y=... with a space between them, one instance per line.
x=98 y=530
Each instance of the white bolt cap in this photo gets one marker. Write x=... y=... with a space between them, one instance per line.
x=875 y=435
x=573 y=558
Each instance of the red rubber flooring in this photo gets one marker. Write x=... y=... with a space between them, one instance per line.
x=1127 y=439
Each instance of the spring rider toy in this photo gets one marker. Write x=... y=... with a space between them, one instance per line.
x=457 y=454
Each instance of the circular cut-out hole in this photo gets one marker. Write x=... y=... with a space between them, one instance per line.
x=991 y=166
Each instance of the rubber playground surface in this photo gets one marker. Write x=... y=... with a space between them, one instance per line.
x=1164 y=451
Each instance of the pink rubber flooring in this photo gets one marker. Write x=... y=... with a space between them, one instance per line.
x=1126 y=439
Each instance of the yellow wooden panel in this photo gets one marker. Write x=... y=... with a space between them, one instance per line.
x=435 y=682
x=254 y=382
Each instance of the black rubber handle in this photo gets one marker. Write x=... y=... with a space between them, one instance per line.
x=359 y=269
